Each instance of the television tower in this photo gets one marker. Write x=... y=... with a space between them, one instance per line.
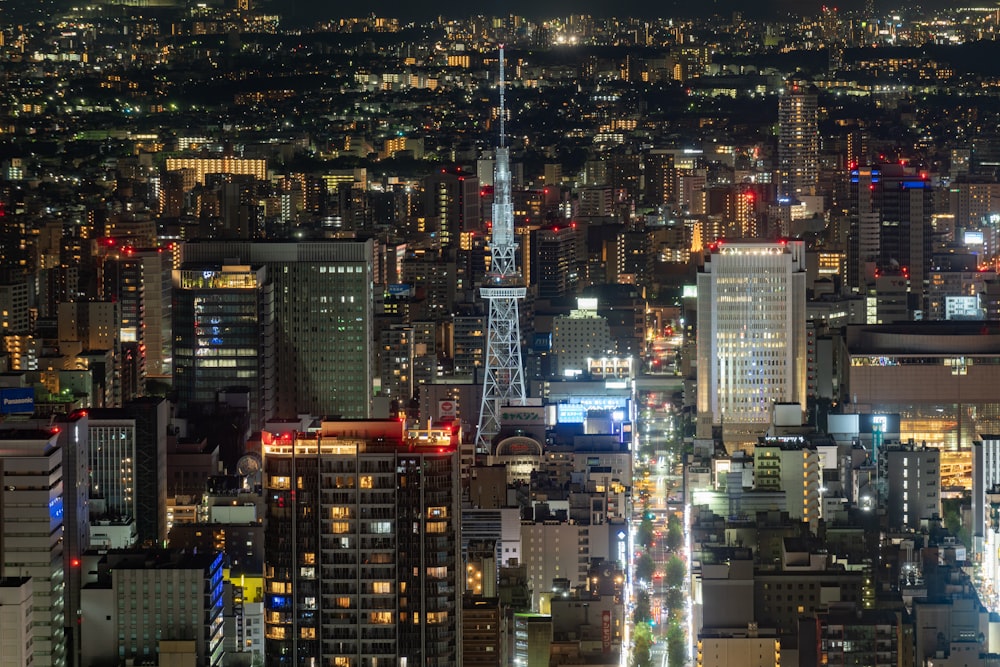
x=504 y=380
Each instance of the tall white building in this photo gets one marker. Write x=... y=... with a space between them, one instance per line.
x=31 y=516
x=751 y=345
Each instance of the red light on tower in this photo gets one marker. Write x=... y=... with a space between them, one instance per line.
x=74 y=562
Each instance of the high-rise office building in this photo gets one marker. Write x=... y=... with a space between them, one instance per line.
x=224 y=336
x=751 y=343
x=362 y=548
x=890 y=226
x=798 y=142
x=128 y=465
x=323 y=306
x=31 y=541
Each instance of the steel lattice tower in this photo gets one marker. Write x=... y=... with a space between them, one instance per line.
x=504 y=380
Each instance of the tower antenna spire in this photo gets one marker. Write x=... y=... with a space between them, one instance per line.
x=503 y=107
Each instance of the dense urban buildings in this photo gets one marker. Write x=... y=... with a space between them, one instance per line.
x=659 y=339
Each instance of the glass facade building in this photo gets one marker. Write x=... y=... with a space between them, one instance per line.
x=224 y=336
x=323 y=305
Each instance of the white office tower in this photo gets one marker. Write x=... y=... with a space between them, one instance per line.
x=31 y=545
x=751 y=336
x=503 y=383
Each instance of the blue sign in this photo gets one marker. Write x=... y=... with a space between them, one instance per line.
x=570 y=413
x=399 y=289
x=17 y=401
x=542 y=342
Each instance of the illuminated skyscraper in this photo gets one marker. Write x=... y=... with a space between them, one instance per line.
x=798 y=143
x=224 y=336
x=362 y=547
x=751 y=336
x=503 y=383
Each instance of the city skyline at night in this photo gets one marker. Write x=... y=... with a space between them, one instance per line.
x=621 y=335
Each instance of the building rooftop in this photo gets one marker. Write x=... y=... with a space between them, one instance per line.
x=949 y=338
